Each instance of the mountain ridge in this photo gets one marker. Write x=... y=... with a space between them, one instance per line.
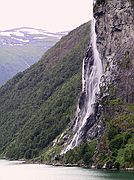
x=24 y=35
x=22 y=47
x=41 y=100
x=38 y=106
x=108 y=137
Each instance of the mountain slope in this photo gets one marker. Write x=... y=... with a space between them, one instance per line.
x=22 y=47
x=116 y=32
x=37 y=104
x=107 y=139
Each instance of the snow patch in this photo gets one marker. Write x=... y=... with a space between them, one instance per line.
x=22 y=40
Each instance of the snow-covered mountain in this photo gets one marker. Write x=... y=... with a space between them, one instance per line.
x=26 y=35
x=22 y=47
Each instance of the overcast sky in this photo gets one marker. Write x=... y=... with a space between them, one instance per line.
x=52 y=15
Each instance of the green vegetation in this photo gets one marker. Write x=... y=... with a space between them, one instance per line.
x=117 y=143
x=50 y=154
x=130 y=107
x=117 y=147
x=82 y=154
x=125 y=156
x=14 y=59
x=114 y=102
x=37 y=104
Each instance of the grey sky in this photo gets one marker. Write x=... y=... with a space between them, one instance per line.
x=52 y=15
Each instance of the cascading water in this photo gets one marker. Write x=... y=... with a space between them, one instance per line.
x=91 y=74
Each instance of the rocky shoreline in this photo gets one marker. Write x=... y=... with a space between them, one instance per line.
x=56 y=164
x=96 y=167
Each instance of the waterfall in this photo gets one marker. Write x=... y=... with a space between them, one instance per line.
x=91 y=74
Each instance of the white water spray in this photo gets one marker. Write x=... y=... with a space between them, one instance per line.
x=91 y=75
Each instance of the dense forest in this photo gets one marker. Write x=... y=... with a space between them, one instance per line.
x=37 y=104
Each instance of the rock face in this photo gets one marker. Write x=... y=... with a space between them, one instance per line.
x=114 y=26
x=112 y=121
x=115 y=30
x=115 y=41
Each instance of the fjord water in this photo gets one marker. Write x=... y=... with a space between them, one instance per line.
x=14 y=170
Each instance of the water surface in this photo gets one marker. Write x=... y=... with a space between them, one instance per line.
x=16 y=171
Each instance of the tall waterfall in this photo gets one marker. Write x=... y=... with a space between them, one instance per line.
x=91 y=74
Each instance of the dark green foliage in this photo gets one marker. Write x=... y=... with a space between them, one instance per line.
x=37 y=104
x=119 y=137
x=125 y=156
x=112 y=131
x=119 y=141
x=82 y=154
x=118 y=115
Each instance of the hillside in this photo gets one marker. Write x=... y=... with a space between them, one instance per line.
x=22 y=47
x=53 y=113
x=104 y=137
x=37 y=104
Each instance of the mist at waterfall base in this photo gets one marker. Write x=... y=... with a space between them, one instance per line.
x=91 y=74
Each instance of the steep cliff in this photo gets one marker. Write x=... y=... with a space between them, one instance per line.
x=111 y=125
x=36 y=106
x=115 y=31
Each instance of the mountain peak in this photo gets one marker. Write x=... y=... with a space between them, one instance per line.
x=25 y=35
